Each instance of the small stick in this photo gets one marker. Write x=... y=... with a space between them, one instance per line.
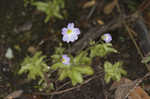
x=66 y=90
x=133 y=40
x=91 y=12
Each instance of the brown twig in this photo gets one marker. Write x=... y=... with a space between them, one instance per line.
x=144 y=5
x=66 y=90
x=133 y=40
x=91 y=11
x=47 y=80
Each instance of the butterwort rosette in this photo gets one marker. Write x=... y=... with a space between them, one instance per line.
x=107 y=38
x=70 y=34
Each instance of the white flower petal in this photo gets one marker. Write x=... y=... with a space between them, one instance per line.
x=70 y=26
x=76 y=31
x=64 y=31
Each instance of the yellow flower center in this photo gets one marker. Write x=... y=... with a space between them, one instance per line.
x=105 y=37
x=69 y=31
x=63 y=60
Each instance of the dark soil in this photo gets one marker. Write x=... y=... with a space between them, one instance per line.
x=14 y=17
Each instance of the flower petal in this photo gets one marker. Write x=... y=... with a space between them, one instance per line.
x=66 y=38
x=70 y=26
x=76 y=31
x=107 y=37
x=64 y=31
x=65 y=59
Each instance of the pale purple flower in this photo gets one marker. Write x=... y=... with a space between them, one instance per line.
x=65 y=59
x=70 y=34
x=107 y=37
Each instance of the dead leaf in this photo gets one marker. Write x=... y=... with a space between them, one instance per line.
x=119 y=83
x=123 y=89
x=100 y=22
x=110 y=6
x=32 y=50
x=14 y=94
x=124 y=86
x=89 y=4
x=146 y=87
x=138 y=93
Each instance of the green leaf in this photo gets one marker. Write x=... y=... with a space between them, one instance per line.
x=113 y=71
x=34 y=66
x=50 y=8
x=118 y=64
x=82 y=59
x=70 y=75
x=47 y=18
x=55 y=56
x=51 y=86
x=107 y=66
x=146 y=59
x=59 y=50
x=74 y=82
x=63 y=74
x=77 y=76
x=123 y=72
x=107 y=78
x=78 y=57
x=57 y=65
x=24 y=69
x=42 y=6
x=101 y=50
x=118 y=77
x=84 y=69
